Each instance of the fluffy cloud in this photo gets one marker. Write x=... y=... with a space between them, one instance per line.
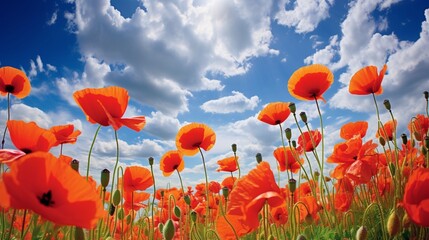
x=237 y=102
x=305 y=15
x=164 y=50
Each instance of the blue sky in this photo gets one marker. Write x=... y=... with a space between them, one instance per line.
x=217 y=62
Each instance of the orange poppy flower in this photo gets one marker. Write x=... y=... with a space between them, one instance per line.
x=194 y=136
x=348 y=130
x=419 y=126
x=279 y=215
x=416 y=197
x=65 y=134
x=14 y=81
x=306 y=139
x=170 y=162
x=137 y=178
x=310 y=82
x=274 y=113
x=228 y=164
x=214 y=187
x=224 y=229
x=286 y=159
x=387 y=131
x=50 y=188
x=106 y=106
x=134 y=200
x=367 y=81
x=28 y=137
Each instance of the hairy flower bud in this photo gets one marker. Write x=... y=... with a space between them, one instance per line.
x=168 y=230
x=225 y=192
x=426 y=93
x=105 y=178
x=116 y=197
x=150 y=159
x=303 y=116
x=387 y=105
x=177 y=211
x=292 y=185
x=288 y=133
x=259 y=157
x=75 y=165
x=404 y=139
x=393 y=224
x=292 y=107
x=362 y=233
x=234 y=147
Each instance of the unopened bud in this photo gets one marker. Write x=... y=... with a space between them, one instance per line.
x=121 y=214
x=116 y=197
x=168 y=230
x=259 y=157
x=75 y=165
x=225 y=192
x=426 y=93
x=382 y=141
x=194 y=216
x=292 y=185
x=303 y=117
x=128 y=219
x=406 y=221
x=177 y=211
x=404 y=138
x=234 y=147
x=361 y=233
x=288 y=133
x=150 y=159
x=387 y=104
x=112 y=209
x=292 y=107
x=187 y=199
x=393 y=224
x=105 y=177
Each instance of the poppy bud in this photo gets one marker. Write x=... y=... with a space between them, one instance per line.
x=361 y=233
x=177 y=211
x=234 y=147
x=382 y=141
x=406 y=221
x=128 y=219
x=301 y=237
x=168 y=230
x=426 y=93
x=194 y=216
x=292 y=185
x=392 y=169
x=116 y=197
x=78 y=234
x=404 y=139
x=292 y=107
x=288 y=133
x=393 y=224
x=303 y=117
x=327 y=179
x=225 y=192
x=121 y=214
x=187 y=199
x=162 y=193
x=111 y=209
x=259 y=157
x=160 y=226
x=427 y=141
x=387 y=104
x=316 y=176
x=150 y=160
x=105 y=177
x=75 y=165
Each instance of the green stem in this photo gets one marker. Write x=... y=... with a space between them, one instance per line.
x=90 y=151
x=207 y=193
x=181 y=182
x=116 y=164
x=286 y=158
x=8 y=118
x=153 y=204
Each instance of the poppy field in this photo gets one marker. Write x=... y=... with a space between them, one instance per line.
x=378 y=188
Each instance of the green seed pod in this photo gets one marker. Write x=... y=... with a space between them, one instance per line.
x=382 y=141
x=387 y=105
x=160 y=226
x=393 y=224
x=288 y=133
x=151 y=161
x=121 y=214
x=128 y=219
x=293 y=143
x=234 y=147
x=292 y=185
x=116 y=197
x=303 y=117
x=168 y=230
x=225 y=192
x=404 y=139
x=75 y=165
x=187 y=199
x=194 y=216
x=105 y=177
x=177 y=211
x=426 y=93
x=362 y=233
x=79 y=234
x=292 y=107
x=259 y=157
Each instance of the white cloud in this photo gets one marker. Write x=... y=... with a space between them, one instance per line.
x=305 y=15
x=39 y=64
x=237 y=102
x=162 y=126
x=173 y=45
x=53 y=19
x=33 y=69
x=51 y=68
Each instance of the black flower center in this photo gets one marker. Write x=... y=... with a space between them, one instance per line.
x=46 y=199
x=9 y=88
x=26 y=150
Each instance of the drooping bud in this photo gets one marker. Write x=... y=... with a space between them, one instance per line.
x=234 y=147
x=75 y=165
x=292 y=107
x=225 y=192
x=187 y=199
x=150 y=159
x=168 y=230
x=292 y=185
x=362 y=233
x=301 y=237
x=259 y=157
x=105 y=177
x=426 y=93
x=387 y=105
x=293 y=143
x=382 y=141
x=116 y=197
x=177 y=211
x=393 y=224
x=288 y=133
x=194 y=216
x=404 y=139
x=303 y=117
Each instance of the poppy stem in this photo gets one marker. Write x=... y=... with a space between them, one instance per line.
x=286 y=157
x=8 y=118
x=153 y=204
x=181 y=182
x=90 y=151
x=207 y=192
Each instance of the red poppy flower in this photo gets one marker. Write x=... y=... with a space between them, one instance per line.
x=28 y=137
x=170 y=162
x=387 y=131
x=306 y=140
x=137 y=178
x=416 y=197
x=65 y=134
x=419 y=126
x=279 y=215
x=367 y=81
x=228 y=164
x=214 y=187
x=274 y=113
x=134 y=200
x=52 y=189
x=348 y=130
x=14 y=81
x=106 y=106
x=286 y=159
x=229 y=182
x=194 y=136
x=310 y=82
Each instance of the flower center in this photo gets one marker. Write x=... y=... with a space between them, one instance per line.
x=9 y=88
x=26 y=150
x=46 y=199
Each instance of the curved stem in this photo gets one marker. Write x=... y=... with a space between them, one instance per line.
x=181 y=182
x=116 y=164
x=286 y=158
x=8 y=118
x=90 y=151
x=153 y=204
x=207 y=193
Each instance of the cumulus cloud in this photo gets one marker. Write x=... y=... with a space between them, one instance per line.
x=305 y=15
x=237 y=102
x=165 y=51
x=53 y=18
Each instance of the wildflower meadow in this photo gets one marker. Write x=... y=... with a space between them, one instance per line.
x=378 y=189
